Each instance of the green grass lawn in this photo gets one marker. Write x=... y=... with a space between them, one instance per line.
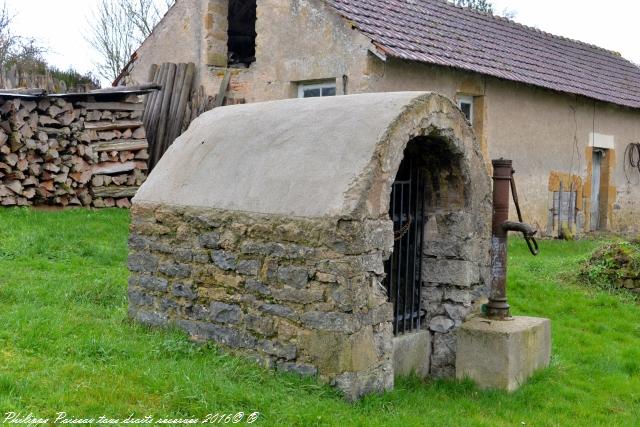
x=66 y=344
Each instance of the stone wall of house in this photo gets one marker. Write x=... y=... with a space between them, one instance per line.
x=300 y=295
x=176 y=38
x=324 y=48
x=544 y=132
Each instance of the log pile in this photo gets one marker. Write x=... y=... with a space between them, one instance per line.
x=71 y=150
x=199 y=103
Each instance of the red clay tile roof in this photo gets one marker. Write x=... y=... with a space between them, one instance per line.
x=437 y=32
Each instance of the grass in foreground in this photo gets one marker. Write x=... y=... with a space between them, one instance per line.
x=66 y=345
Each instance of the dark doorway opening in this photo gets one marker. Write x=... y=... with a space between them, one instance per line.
x=403 y=269
x=429 y=186
x=600 y=178
x=242 y=32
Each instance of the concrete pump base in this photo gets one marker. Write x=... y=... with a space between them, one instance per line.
x=502 y=354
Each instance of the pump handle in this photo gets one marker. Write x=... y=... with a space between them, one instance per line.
x=528 y=231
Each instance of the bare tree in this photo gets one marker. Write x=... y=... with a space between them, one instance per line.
x=7 y=40
x=145 y=14
x=480 y=5
x=485 y=6
x=112 y=36
x=17 y=50
x=118 y=27
x=28 y=54
x=23 y=58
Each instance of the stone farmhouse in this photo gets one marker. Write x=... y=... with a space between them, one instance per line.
x=566 y=112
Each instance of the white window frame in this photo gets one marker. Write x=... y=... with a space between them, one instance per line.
x=465 y=99
x=309 y=86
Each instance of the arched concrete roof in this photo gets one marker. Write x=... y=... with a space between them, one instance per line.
x=334 y=156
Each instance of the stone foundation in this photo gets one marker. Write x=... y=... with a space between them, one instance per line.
x=300 y=295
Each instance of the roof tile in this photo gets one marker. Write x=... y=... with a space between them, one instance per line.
x=437 y=32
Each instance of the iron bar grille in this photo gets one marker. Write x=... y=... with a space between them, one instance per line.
x=403 y=269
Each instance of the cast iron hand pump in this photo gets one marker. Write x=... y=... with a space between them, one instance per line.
x=503 y=181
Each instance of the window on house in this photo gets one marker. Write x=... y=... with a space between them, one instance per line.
x=317 y=89
x=241 y=42
x=465 y=103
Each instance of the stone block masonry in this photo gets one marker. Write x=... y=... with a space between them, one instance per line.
x=270 y=237
x=455 y=271
x=299 y=295
x=65 y=150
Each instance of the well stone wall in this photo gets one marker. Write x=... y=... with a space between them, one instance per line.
x=271 y=237
x=301 y=295
x=455 y=281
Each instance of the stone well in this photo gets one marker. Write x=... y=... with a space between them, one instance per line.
x=266 y=228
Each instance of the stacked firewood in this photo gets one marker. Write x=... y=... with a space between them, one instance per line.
x=82 y=150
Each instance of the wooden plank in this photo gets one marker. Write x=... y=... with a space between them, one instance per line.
x=155 y=111
x=158 y=145
x=121 y=145
x=115 y=191
x=153 y=77
x=223 y=88
x=65 y=131
x=23 y=91
x=184 y=99
x=114 y=106
x=108 y=168
x=181 y=73
x=127 y=89
x=121 y=124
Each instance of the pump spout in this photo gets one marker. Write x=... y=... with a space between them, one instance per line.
x=520 y=227
x=528 y=231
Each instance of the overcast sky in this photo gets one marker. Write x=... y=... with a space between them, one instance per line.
x=61 y=25
x=611 y=24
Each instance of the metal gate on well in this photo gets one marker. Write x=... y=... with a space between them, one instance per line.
x=404 y=267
